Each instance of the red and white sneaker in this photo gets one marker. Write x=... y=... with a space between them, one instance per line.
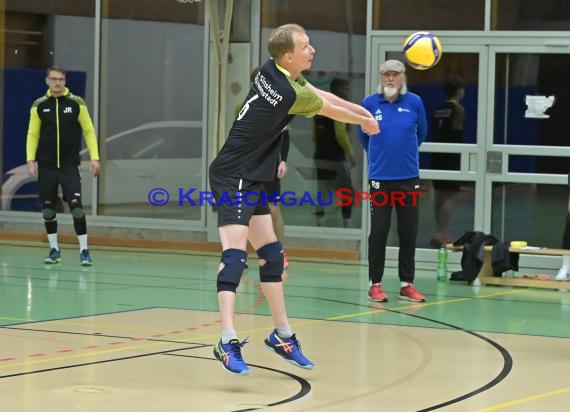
x=376 y=294
x=411 y=293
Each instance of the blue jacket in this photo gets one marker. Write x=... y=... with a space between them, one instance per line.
x=393 y=154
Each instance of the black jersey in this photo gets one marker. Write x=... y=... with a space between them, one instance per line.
x=447 y=122
x=254 y=144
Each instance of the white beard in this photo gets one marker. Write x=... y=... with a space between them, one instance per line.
x=390 y=91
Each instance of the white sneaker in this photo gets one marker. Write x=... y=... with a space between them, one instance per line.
x=562 y=275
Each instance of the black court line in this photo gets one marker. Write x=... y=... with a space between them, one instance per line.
x=79 y=316
x=507 y=358
x=506 y=369
x=304 y=391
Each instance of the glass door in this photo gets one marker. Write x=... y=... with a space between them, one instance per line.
x=528 y=153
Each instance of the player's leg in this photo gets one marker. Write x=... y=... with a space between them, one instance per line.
x=232 y=264
x=407 y=214
x=71 y=187
x=234 y=242
x=233 y=218
x=270 y=252
x=273 y=190
x=47 y=189
x=282 y=340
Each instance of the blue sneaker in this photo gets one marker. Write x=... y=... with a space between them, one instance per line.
x=85 y=258
x=230 y=356
x=53 y=257
x=289 y=349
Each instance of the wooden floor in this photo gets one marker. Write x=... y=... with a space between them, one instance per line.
x=135 y=332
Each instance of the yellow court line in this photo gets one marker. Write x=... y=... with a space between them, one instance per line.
x=424 y=304
x=383 y=310
x=525 y=400
x=347 y=316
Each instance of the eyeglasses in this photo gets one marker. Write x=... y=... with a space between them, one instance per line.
x=56 y=79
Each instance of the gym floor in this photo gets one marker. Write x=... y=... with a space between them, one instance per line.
x=135 y=332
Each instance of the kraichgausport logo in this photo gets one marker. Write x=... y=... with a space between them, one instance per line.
x=341 y=197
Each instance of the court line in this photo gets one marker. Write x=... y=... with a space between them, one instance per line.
x=526 y=399
x=421 y=367
x=305 y=385
x=415 y=306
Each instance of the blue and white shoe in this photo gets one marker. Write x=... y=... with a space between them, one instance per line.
x=230 y=356
x=53 y=257
x=289 y=349
x=85 y=258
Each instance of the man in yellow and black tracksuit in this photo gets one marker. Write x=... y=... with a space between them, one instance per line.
x=57 y=122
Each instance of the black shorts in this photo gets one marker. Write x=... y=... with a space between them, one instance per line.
x=447 y=185
x=237 y=200
x=273 y=190
x=446 y=161
x=68 y=178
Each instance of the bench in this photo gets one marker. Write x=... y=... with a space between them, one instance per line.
x=486 y=277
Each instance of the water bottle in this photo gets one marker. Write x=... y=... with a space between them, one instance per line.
x=442 y=265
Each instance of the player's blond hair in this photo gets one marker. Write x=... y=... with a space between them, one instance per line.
x=281 y=40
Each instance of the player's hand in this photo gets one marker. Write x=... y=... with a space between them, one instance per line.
x=95 y=167
x=32 y=168
x=281 y=169
x=370 y=126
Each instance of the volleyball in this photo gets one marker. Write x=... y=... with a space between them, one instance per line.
x=422 y=50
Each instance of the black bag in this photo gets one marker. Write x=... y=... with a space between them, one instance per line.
x=473 y=254
x=504 y=260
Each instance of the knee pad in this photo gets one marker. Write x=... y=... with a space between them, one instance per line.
x=76 y=208
x=272 y=253
x=48 y=210
x=230 y=275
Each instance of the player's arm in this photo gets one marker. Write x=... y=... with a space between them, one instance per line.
x=88 y=132
x=310 y=102
x=368 y=123
x=282 y=167
x=32 y=141
x=285 y=144
x=338 y=101
x=90 y=139
x=363 y=137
